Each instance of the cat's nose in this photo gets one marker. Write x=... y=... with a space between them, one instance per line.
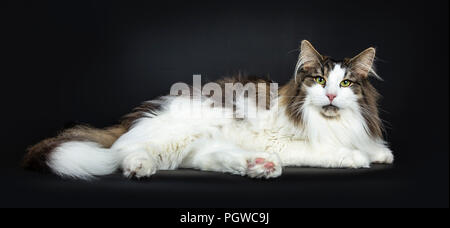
x=331 y=97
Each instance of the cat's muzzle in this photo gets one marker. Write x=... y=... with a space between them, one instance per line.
x=330 y=111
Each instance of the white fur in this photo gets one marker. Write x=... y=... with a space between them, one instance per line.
x=83 y=160
x=176 y=136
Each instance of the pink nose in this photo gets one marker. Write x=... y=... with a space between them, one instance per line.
x=331 y=97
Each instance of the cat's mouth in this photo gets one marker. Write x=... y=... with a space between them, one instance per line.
x=330 y=111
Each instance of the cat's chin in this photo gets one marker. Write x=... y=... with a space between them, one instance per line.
x=330 y=112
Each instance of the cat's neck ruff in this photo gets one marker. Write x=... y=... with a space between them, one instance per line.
x=347 y=130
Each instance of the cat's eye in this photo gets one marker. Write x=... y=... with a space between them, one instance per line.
x=320 y=80
x=346 y=83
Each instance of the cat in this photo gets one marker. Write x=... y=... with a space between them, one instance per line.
x=325 y=116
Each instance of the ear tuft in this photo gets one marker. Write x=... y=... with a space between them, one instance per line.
x=309 y=57
x=362 y=64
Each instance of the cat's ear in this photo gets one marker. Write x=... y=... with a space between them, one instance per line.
x=362 y=64
x=309 y=57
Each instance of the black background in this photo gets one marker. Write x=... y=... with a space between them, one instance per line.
x=66 y=62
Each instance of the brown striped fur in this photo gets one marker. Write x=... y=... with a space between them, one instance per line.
x=37 y=155
x=244 y=80
x=291 y=95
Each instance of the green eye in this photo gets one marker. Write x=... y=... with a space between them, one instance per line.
x=320 y=80
x=346 y=83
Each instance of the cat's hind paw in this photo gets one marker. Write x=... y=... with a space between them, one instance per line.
x=268 y=166
x=138 y=166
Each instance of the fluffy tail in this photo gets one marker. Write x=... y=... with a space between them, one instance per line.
x=80 y=152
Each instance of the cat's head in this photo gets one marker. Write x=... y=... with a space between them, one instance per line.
x=333 y=87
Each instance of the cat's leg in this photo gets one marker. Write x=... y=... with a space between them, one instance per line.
x=299 y=153
x=139 y=164
x=379 y=153
x=146 y=149
x=382 y=156
x=145 y=159
x=217 y=156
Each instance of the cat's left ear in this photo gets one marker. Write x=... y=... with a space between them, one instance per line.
x=362 y=64
x=309 y=57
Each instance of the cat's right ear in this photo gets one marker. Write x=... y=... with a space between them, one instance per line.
x=309 y=58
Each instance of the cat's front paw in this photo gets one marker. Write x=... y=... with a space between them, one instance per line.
x=138 y=166
x=264 y=166
x=383 y=156
x=352 y=159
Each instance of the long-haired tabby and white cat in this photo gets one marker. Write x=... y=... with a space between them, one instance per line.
x=326 y=116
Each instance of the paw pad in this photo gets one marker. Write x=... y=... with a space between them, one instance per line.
x=262 y=168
